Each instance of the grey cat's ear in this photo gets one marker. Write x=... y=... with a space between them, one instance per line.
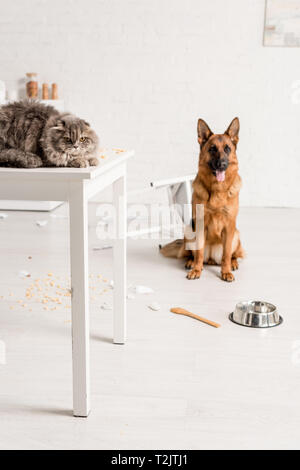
x=60 y=124
x=87 y=123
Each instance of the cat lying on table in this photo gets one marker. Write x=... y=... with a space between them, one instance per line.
x=34 y=135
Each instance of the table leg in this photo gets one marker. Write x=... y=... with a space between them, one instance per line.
x=119 y=262
x=80 y=298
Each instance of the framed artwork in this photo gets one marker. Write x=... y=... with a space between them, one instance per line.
x=282 y=23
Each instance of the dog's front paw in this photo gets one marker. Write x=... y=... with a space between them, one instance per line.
x=79 y=163
x=228 y=277
x=93 y=161
x=189 y=264
x=195 y=273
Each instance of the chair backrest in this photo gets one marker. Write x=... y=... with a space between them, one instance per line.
x=179 y=192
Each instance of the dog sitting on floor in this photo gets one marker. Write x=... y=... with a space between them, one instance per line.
x=216 y=187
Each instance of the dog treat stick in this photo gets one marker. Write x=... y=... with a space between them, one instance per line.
x=182 y=311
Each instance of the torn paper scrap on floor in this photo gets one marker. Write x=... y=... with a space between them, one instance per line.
x=41 y=223
x=23 y=273
x=142 y=290
x=106 y=306
x=3 y=215
x=154 y=306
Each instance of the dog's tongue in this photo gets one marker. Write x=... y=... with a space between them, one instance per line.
x=220 y=175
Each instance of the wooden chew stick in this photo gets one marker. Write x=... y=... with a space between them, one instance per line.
x=182 y=311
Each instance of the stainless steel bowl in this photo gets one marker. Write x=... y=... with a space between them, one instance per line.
x=256 y=314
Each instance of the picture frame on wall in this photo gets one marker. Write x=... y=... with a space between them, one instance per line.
x=282 y=23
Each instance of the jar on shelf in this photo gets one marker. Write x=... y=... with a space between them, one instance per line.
x=32 y=88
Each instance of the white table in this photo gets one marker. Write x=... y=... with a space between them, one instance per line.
x=77 y=186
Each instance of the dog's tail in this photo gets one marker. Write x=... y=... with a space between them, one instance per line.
x=174 y=249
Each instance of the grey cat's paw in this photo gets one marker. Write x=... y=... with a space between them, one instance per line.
x=79 y=163
x=33 y=162
x=94 y=161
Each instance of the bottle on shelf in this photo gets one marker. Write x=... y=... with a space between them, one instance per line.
x=54 y=91
x=45 y=91
x=32 y=88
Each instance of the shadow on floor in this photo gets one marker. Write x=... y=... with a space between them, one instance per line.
x=25 y=409
x=103 y=339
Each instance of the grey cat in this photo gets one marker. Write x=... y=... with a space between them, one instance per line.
x=34 y=135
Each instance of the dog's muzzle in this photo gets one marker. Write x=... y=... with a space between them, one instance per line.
x=218 y=167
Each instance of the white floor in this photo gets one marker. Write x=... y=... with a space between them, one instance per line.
x=177 y=383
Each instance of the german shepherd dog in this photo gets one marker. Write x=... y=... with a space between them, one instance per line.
x=216 y=187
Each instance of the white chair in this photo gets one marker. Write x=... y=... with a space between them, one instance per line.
x=179 y=191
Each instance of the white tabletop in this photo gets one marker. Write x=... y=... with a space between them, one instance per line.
x=108 y=158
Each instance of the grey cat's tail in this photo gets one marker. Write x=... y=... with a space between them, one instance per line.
x=18 y=158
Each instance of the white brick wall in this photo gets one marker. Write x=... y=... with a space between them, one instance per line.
x=143 y=71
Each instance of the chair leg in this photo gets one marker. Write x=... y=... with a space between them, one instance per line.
x=80 y=298
x=119 y=262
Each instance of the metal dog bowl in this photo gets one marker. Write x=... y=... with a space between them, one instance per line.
x=256 y=314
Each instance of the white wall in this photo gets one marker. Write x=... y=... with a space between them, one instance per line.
x=143 y=71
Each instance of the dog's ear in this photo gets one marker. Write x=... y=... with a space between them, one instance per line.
x=204 y=132
x=233 y=130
